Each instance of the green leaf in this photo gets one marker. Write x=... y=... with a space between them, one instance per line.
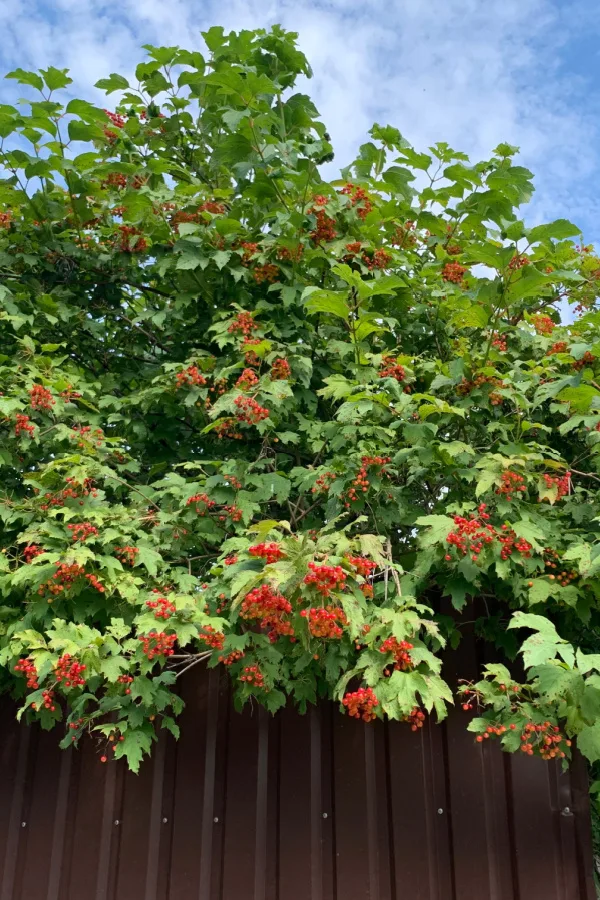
x=540 y=591
x=588 y=742
x=134 y=745
x=333 y=302
x=557 y=230
x=438 y=529
x=56 y=78
x=24 y=77
x=113 y=83
x=473 y=317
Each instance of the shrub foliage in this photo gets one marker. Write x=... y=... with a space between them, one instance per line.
x=305 y=429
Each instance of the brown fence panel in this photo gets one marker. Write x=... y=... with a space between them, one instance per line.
x=315 y=807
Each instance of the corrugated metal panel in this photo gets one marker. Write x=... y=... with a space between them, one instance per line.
x=315 y=807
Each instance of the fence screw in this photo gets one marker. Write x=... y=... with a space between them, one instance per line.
x=566 y=811
x=440 y=811
x=324 y=815
x=165 y=820
x=117 y=822
x=23 y=824
x=216 y=819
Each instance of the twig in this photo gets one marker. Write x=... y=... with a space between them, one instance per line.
x=195 y=660
x=394 y=573
x=586 y=474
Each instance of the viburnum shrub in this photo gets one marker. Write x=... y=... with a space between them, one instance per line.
x=303 y=429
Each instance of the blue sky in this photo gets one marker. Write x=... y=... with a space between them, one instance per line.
x=469 y=72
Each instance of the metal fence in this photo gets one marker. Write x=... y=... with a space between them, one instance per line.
x=315 y=807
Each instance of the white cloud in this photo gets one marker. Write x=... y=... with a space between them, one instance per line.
x=462 y=71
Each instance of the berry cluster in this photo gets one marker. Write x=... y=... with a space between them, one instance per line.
x=269 y=608
x=400 y=650
x=325 y=622
x=250 y=357
x=270 y=552
x=65 y=576
x=40 y=397
x=363 y=566
x=552 y=561
x=68 y=395
x=232 y=657
x=325 y=230
x=31 y=551
x=130 y=239
x=247 y=380
x=353 y=247
x=543 y=324
x=587 y=359
x=191 y=375
x=323 y=483
x=127 y=555
x=250 y=411
x=325 y=578
x=181 y=217
x=84 y=433
x=125 y=679
x=391 y=369
x=250 y=249
x=453 y=272
x=164 y=608
x=23 y=425
x=82 y=531
x=511 y=483
x=361 y=482
x=115 y=180
x=5 y=219
x=558 y=347
x=544 y=739
x=361 y=703
x=69 y=671
x=47 y=701
x=379 y=259
x=253 y=677
x=204 y=499
x=416 y=719
x=27 y=668
x=233 y=512
x=157 y=643
x=465 y=387
x=518 y=262
x=404 y=235
x=212 y=206
x=115 y=118
x=210 y=637
x=267 y=272
x=358 y=196
x=562 y=483
x=243 y=324
x=476 y=532
x=118 y=121
x=280 y=370
x=499 y=342
x=287 y=255
x=230 y=560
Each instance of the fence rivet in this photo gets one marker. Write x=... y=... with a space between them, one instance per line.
x=216 y=819
x=23 y=824
x=117 y=822
x=324 y=815
x=566 y=811
x=165 y=820
x=440 y=811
